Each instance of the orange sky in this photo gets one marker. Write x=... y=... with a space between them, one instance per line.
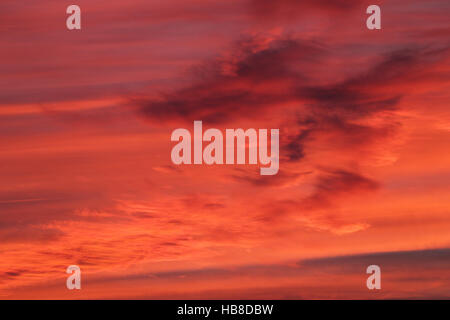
x=87 y=179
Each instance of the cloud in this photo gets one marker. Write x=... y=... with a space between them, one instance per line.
x=85 y=180
x=256 y=77
x=262 y=77
x=390 y=261
x=319 y=211
x=341 y=181
x=405 y=275
x=332 y=185
x=29 y=234
x=282 y=179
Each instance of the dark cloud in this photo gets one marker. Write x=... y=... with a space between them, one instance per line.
x=328 y=188
x=374 y=89
x=426 y=271
x=254 y=79
x=214 y=206
x=264 y=78
x=337 y=183
x=29 y=234
x=255 y=82
x=283 y=177
x=346 y=135
x=389 y=261
x=336 y=109
x=12 y=274
x=238 y=88
x=343 y=181
x=293 y=146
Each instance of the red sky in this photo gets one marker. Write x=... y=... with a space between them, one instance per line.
x=86 y=175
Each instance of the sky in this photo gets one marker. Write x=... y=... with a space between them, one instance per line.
x=86 y=118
